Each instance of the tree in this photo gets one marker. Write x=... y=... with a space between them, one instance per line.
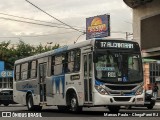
x=10 y=54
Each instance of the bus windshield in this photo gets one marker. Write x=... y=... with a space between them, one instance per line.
x=118 y=67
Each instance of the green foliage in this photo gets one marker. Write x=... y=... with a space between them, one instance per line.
x=10 y=54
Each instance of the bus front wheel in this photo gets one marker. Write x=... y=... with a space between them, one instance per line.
x=74 y=104
x=30 y=104
x=150 y=107
x=62 y=108
x=114 y=109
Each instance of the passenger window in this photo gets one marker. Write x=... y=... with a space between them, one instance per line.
x=24 y=71
x=17 y=74
x=66 y=62
x=74 y=61
x=34 y=69
x=58 y=65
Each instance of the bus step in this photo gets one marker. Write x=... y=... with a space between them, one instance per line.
x=88 y=103
x=42 y=104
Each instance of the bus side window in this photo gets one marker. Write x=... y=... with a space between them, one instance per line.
x=70 y=61
x=24 y=71
x=85 y=65
x=52 y=65
x=34 y=69
x=77 y=60
x=65 y=62
x=58 y=65
x=90 y=65
x=29 y=70
x=74 y=60
x=17 y=72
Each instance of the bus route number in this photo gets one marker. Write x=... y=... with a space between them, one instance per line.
x=111 y=74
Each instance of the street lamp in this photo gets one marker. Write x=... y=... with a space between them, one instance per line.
x=49 y=44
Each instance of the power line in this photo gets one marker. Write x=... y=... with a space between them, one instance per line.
x=31 y=22
x=122 y=32
x=29 y=19
x=78 y=38
x=54 y=17
x=34 y=19
x=39 y=35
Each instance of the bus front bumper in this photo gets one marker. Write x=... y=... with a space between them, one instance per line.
x=118 y=100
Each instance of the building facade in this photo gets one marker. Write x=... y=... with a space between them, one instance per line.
x=146 y=26
x=6 y=77
x=146 y=31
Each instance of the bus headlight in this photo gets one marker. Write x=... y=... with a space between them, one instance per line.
x=139 y=91
x=101 y=90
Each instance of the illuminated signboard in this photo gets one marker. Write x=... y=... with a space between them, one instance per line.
x=6 y=74
x=115 y=44
x=98 y=26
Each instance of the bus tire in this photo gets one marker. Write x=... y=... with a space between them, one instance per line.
x=150 y=107
x=63 y=108
x=38 y=108
x=128 y=107
x=6 y=104
x=73 y=104
x=114 y=109
x=30 y=104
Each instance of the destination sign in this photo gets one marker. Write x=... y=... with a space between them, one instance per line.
x=114 y=44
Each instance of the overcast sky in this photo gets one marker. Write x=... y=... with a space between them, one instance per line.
x=72 y=12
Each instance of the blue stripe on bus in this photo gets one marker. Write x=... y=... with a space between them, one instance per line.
x=98 y=82
x=60 y=49
x=27 y=91
x=57 y=80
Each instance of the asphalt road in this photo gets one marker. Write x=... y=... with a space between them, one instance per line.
x=87 y=113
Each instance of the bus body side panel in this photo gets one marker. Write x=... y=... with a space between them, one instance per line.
x=75 y=81
x=17 y=95
x=22 y=87
x=58 y=87
x=49 y=91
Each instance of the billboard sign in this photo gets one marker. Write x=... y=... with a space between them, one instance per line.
x=98 y=26
x=6 y=74
x=1 y=65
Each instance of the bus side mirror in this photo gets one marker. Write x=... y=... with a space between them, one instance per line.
x=95 y=60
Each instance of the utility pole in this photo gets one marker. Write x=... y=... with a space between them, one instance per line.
x=128 y=34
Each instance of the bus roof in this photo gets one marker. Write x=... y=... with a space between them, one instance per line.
x=64 y=48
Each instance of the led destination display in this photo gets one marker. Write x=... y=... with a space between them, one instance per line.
x=115 y=44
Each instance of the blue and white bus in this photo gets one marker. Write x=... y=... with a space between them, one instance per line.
x=99 y=72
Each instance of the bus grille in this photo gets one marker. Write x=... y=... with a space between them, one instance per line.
x=119 y=92
x=122 y=98
x=121 y=87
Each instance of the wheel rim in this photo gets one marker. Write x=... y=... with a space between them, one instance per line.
x=73 y=103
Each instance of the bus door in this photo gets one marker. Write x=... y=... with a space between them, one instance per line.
x=87 y=63
x=42 y=83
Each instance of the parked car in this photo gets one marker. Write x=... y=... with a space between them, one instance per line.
x=149 y=100
x=6 y=97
